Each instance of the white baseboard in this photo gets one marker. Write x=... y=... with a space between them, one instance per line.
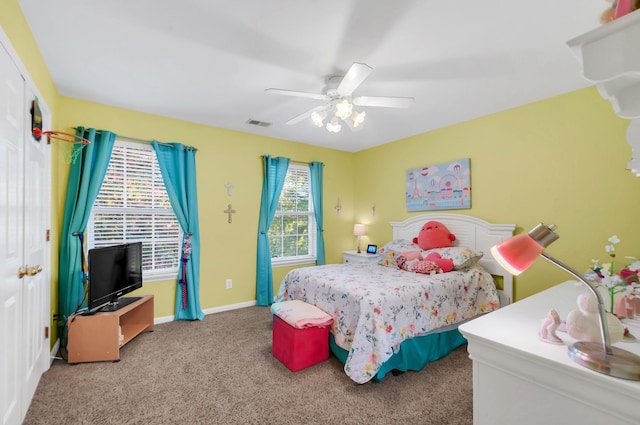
x=229 y=307
x=54 y=351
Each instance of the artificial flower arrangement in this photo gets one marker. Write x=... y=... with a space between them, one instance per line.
x=616 y=282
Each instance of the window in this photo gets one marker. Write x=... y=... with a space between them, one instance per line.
x=133 y=206
x=292 y=235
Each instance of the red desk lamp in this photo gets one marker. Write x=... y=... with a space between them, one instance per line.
x=518 y=253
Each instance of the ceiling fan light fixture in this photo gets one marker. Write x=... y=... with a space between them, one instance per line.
x=339 y=100
x=318 y=118
x=358 y=118
x=334 y=126
x=344 y=109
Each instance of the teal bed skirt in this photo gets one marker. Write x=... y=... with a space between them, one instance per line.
x=414 y=353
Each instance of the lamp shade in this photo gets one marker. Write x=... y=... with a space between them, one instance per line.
x=359 y=230
x=518 y=253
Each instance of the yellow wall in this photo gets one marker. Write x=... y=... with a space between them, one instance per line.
x=561 y=160
x=228 y=249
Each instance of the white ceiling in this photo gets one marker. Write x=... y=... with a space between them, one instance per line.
x=209 y=61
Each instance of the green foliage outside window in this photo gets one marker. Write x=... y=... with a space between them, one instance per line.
x=289 y=234
x=133 y=206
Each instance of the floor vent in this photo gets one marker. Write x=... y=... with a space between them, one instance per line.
x=258 y=123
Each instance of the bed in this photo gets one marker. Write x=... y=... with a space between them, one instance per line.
x=391 y=320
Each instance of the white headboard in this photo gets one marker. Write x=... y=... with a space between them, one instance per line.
x=470 y=232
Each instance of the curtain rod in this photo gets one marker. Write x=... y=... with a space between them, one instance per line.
x=293 y=161
x=134 y=140
x=148 y=142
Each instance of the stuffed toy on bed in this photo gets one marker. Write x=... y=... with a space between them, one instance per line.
x=431 y=264
x=432 y=235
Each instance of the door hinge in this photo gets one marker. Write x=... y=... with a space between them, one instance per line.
x=46 y=332
x=47 y=236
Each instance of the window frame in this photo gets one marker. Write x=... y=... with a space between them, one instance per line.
x=311 y=227
x=152 y=275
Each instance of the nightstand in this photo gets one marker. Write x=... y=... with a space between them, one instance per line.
x=363 y=257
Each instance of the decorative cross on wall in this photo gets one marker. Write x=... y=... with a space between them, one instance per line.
x=338 y=207
x=229 y=211
x=229 y=187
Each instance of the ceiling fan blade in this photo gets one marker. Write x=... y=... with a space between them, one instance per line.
x=353 y=78
x=298 y=94
x=349 y=124
x=305 y=115
x=385 y=102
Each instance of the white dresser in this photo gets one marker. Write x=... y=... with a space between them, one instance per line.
x=520 y=380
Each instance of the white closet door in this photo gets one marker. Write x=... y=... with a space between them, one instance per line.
x=25 y=189
x=11 y=238
x=35 y=287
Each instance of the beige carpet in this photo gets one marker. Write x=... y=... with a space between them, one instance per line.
x=220 y=371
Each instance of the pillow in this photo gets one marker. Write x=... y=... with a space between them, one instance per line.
x=391 y=250
x=462 y=257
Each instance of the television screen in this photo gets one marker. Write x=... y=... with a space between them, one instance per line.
x=114 y=271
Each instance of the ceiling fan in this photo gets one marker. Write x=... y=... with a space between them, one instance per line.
x=338 y=101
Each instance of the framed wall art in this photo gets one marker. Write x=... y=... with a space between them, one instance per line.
x=444 y=186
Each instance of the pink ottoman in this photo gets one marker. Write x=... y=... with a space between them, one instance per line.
x=304 y=344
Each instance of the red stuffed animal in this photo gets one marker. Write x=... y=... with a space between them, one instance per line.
x=432 y=235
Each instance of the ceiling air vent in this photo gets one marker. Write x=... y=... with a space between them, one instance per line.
x=258 y=123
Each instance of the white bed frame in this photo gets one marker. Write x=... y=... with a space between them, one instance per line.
x=470 y=232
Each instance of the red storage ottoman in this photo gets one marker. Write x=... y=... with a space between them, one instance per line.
x=299 y=348
x=300 y=334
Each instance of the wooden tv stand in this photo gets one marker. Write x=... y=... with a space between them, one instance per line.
x=99 y=336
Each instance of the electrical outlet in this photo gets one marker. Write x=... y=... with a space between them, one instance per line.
x=229 y=283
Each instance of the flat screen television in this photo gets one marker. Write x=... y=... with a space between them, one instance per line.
x=113 y=272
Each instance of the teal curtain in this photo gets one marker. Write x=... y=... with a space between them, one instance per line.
x=86 y=174
x=275 y=172
x=178 y=168
x=315 y=171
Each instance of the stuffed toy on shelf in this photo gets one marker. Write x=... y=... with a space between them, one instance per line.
x=618 y=9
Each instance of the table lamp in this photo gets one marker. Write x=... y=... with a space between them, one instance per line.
x=518 y=253
x=359 y=230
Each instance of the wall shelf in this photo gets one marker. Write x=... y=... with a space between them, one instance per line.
x=610 y=57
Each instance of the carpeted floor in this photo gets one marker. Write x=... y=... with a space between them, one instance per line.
x=220 y=371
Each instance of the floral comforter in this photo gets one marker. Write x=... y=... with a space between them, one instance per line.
x=375 y=308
